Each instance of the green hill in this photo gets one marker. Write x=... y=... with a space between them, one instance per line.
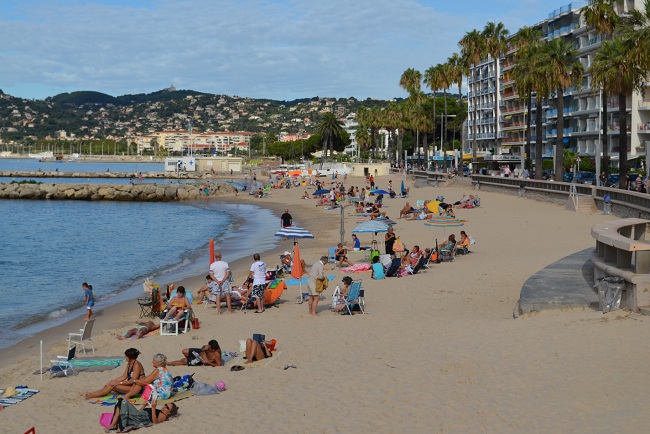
x=84 y=97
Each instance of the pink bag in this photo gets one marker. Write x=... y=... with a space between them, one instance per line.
x=105 y=419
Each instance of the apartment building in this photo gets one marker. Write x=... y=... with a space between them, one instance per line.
x=493 y=91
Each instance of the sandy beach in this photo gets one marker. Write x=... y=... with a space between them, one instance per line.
x=437 y=352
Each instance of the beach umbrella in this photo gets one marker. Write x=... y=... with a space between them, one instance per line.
x=294 y=232
x=379 y=191
x=433 y=206
x=355 y=199
x=320 y=192
x=371 y=226
x=402 y=188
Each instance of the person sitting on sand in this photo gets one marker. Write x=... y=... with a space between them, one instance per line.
x=139 y=331
x=123 y=383
x=306 y=195
x=177 y=305
x=446 y=209
x=375 y=213
x=287 y=262
x=463 y=243
x=341 y=255
x=469 y=203
x=255 y=351
x=210 y=287
x=377 y=270
x=126 y=417
x=406 y=210
x=207 y=355
x=160 y=378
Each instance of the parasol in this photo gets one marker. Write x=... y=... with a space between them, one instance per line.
x=379 y=191
x=294 y=232
x=296 y=268
x=320 y=192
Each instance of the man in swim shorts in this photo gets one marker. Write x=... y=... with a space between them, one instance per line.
x=207 y=355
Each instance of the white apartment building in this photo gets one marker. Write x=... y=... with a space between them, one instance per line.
x=494 y=93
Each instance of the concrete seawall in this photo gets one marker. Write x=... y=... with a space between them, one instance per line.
x=134 y=175
x=138 y=192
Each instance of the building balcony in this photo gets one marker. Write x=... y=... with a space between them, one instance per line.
x=644 y=128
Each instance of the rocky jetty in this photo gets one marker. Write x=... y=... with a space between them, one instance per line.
x=134 y=175
x=126 y=193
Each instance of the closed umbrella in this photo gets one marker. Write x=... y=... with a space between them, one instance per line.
x=296 y=268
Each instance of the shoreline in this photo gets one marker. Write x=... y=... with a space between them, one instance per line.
x=186 y=276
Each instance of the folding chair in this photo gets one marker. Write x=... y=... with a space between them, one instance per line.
x=447 y=255
x=331 y=256
x=353 y=297
x=147 y=304
x=85 y=334
x=63 y=363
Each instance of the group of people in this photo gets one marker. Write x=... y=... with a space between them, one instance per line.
x=134 y=380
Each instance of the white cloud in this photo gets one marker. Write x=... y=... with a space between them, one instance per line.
x=259 y=48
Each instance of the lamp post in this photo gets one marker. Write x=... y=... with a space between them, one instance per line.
x=442 y=146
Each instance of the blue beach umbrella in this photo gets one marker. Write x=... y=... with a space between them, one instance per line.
x=379 y=191
x=402 y=188
x=320 y=192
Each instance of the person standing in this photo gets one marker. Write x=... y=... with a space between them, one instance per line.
x=89 y=299
x=603 y=179
x=372 y=182
x=258 y=274
x=285 y=219
x=220 y=273
x=317 y=274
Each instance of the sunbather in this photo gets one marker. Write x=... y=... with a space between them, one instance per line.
x=377 y=270
x=463 y=243
x=414 y=256
x=340 y=305
x=447 y=245
x=255 y=351
x=123 y=383
x=421 y=216
x=207 y=355
x=406 y=210
x=210 y=287
x=139 y=331
x=178 y=304
x=127 y=417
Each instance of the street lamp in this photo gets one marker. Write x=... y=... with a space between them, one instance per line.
x=442 y=146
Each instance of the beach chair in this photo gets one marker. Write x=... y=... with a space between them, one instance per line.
x=418 y=266
x=148 y=304
x=353 y=297
x=331 y=256
x=171 y=327
x=85 y=335
x=63 y=363
x=447 y=255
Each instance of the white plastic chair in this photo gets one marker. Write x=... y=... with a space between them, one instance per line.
x=85 y=334
x=63 y=363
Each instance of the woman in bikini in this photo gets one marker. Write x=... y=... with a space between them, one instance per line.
x=139 y=331
x=178 y=304
x=123 y=383
x=255 y=351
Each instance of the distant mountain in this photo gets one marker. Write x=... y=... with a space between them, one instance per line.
x=159 y=96
x=83 y=97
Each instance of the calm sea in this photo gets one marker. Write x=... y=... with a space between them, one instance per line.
x=49 y=248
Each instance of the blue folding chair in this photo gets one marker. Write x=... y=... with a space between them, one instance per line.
x=354 y=297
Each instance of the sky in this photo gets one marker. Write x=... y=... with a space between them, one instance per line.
x=276 y=49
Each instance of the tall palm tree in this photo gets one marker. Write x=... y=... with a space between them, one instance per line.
x=496 y=42
x=601 y=15
x=329 y=129
x=411 y=81
x=616 y=67
x=458 y=68
x=447 y=80
x=540 y=85
x=563 y=70
x=524 y=62
x=472 y=46
x=433 y=80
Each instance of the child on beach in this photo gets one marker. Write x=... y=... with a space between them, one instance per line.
x=89 y=299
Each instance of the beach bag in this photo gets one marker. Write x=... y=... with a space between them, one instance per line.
x=398 y=246
x=196 y=324
x=202 y=389
x=434 y=256
x=105 y=419
x=321 y=285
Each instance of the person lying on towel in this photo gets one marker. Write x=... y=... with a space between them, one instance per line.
x=207 y=355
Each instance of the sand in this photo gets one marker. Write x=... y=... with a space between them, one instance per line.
x=437 y=352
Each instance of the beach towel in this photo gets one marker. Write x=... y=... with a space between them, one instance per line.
x=89 y=362
x=356 y=268
x=22 y=393
x=161 y=402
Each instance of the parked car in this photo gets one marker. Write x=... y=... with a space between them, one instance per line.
x=585 y=178
x=465 y=171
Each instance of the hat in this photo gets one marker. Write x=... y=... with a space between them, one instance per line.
x=10 y=391
x=287 y=253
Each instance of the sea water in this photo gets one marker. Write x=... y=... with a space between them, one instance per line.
x=49 y=248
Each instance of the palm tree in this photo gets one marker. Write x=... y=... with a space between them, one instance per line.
x=329 y=129
x=496 y=42
x=411 y=81
x=458 y=68
x=526 y=37
x=472 y=49
x=433 y=79
x=447 y=80
x=563 y=70
x=540 y=85
x=617 y=68
x=601 y=15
